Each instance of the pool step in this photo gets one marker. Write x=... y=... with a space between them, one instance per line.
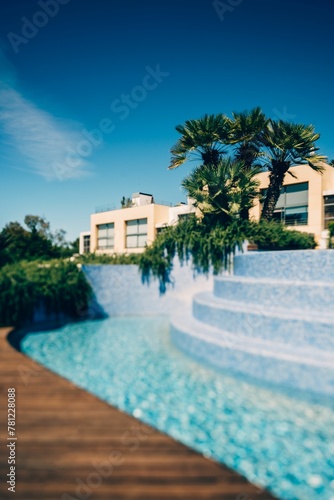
x=296 y=327
x=307 y=368
x=304 y=265
x=288 y=294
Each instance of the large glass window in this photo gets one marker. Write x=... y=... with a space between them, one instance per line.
x=292 y=205
x=105 y=236
x=136 y=233
x=329 y=209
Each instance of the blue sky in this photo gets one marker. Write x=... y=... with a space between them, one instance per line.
x=67 y=65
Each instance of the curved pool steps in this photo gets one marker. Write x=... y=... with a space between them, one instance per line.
x=269 y=361
x=272 y=320
x=295 y=326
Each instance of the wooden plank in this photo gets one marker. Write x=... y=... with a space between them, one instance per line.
x=68 y=437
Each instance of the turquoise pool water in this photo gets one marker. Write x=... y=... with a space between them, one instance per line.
x=278 y=441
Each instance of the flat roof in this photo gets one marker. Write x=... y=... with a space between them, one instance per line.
x=145 y=194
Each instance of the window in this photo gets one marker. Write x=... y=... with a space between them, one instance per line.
x=105 y=236
x=86 y=243
x=329 y=209
x=136 y=233
x=161 y=229
x=279 y=215
x=296 y=216
x=292 y=204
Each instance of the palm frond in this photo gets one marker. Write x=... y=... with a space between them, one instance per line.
x=205 y=136
x=222 y=190
x=290 y=144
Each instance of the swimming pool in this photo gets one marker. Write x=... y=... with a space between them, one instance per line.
x=281 y=442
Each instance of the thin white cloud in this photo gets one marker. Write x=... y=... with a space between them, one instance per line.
x=48 y=145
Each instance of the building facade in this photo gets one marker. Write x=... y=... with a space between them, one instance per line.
x=306 y=202
x=131 y=229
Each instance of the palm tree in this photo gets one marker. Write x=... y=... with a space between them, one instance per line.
x=287 y=144
x=203 y=138
x=246 y=131
x=222 y=191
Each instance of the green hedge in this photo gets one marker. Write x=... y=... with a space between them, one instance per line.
x=122 y=259
x=59 y=286
x=275 y=236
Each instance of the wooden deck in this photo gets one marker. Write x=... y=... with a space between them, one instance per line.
x=70 y=445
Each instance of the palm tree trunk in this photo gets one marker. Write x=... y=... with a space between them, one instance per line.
x=276 y=179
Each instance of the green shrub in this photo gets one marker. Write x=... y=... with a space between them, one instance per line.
x=275 y=236
x=331 y=234
x=115 y=259
x=331 y=229
x=59 y=286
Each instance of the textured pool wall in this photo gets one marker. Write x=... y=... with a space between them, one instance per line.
x=119 y=290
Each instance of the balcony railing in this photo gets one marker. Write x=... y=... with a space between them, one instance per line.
x=105 y=208
x=111 y=207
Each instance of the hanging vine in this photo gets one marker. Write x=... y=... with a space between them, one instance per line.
x=212 y=248
x=208 y=248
